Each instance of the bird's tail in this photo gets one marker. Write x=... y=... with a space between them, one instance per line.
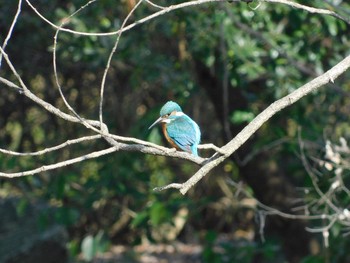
x=194 y=150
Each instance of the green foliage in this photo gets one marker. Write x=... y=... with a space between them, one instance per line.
x=313 y=259
x=209 y=255
x=264 y=53
x=239 y=117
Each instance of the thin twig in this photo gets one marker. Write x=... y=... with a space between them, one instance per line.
x=47 y=106
x=313 y=179
x=267 y=210
x=54 y=148
x=324 y=228
x=154 y=5
x=110 y=59
x=309 y=9
x=64 y=21
x=61 y=164
x=11 y=84
x=9 y=34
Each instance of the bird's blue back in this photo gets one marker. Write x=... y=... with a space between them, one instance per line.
x=184 y=132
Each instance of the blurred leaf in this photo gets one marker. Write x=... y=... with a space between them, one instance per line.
x=88 y=248
x=208 y=254
x=313 y=259
x=21 y=207
x=74 y=248
x=158 y=213
x=91 y=245
x=67 y=216
x=239 y=117
x=140 y=219
x=102 y=243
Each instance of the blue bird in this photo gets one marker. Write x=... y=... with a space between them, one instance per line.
x=179 y=129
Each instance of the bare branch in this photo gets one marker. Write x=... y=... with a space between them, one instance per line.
x=309 y=9
x=9 y=34
x=324 y=228
x=324 y=197
x=171 y=8
x=211 y=146
x=11 y=85
x=47 y=106
x=264 y=116
x=61 y=164
x=173 y=185
x=54 y=148
x=64 y=21
x=154 y=5
x=110 y=59
x=116 y=147
x=273 y=211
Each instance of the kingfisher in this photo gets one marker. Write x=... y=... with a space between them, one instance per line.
x=179 y=129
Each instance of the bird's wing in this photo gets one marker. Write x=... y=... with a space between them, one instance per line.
x=184 y=132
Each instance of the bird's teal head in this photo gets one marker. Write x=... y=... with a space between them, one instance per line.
x=167 y=112
x=170 y=107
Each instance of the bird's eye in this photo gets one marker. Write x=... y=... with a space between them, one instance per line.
x=167 y=115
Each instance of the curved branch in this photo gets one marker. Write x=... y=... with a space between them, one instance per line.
x=309 y=9
x=262 y=118
x=171 y=8
x=65 y=21
x=114 y=49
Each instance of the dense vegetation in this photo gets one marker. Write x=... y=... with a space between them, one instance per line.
x=223 y=63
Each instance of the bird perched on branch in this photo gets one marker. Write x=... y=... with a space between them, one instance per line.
x=179 y=129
